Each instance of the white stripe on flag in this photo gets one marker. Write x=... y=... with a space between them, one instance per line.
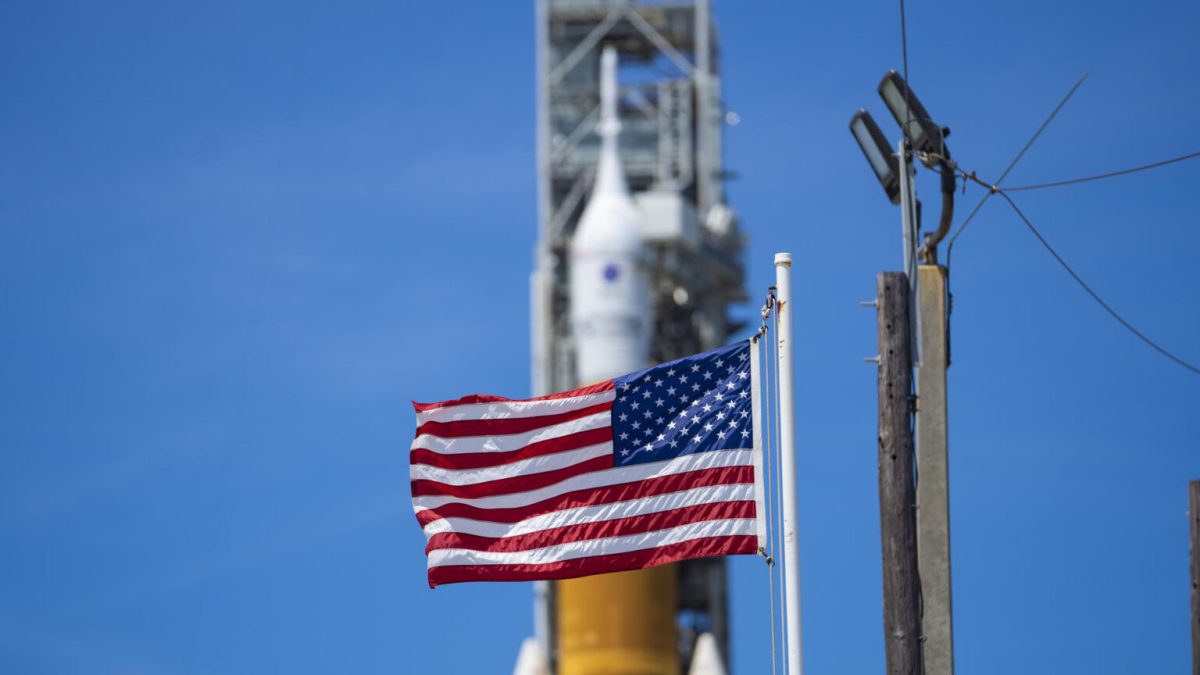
x=591 y=547
x=507 y=442
x=524 y=467
x=508 y=409
x=712 y=494
x=616 y=476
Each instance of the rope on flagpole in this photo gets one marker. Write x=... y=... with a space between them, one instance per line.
x=770 y=515
x=767 y=308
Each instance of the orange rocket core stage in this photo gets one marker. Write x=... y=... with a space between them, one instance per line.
x=619 y=624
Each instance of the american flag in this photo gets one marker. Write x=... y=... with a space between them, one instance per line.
x=642 y=470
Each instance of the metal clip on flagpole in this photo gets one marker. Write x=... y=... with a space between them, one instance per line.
x=787 y=452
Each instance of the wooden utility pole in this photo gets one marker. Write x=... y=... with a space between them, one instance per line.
x=897 y=491
x=1194 y=517
x=933 y=488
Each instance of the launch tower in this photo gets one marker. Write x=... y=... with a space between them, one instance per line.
x=671 y=115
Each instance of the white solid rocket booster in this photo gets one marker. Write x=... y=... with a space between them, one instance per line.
x=610 y=288
x=706 y=659
x=530 y=660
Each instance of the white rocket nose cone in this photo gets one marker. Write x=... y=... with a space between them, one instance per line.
x=706 y=659
x=610 y=290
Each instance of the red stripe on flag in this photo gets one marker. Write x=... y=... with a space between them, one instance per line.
x=506 y=425
x=606 y=385
x=616 y=562
x=427 y=488
x=647 y=522
x=728 y=475
x=479 y=460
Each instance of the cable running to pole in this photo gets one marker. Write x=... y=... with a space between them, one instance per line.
x=1111 y=174
x=777 y=532
x=768 y=460
x=904 y=59
x=764 y=437
x=1013 y=163
x=1083 y=284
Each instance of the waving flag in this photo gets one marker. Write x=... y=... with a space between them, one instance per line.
x=646 y=469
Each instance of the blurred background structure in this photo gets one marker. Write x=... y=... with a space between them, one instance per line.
x=672 y=117
x=670 y=148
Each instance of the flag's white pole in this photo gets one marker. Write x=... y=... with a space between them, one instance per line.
x=787 y=451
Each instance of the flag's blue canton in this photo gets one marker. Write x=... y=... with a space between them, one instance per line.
x=695 y=404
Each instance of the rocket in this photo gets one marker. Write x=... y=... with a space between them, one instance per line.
x=622 y=623
x=610 y=288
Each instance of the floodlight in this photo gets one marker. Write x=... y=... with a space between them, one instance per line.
x=922 y=132
x=879 y=154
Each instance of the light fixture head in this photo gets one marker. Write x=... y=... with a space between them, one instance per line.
x=922 y=132
x=879 y=154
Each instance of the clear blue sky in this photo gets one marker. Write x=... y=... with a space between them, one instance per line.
x=236 y=238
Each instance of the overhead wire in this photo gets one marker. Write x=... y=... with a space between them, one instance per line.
x=913 y=215
x=914 y=226
x=1111 y=174
x=995 y=189
x=910 y=263
x=904 y=61
x=1045 y=123
x=1008 y=169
